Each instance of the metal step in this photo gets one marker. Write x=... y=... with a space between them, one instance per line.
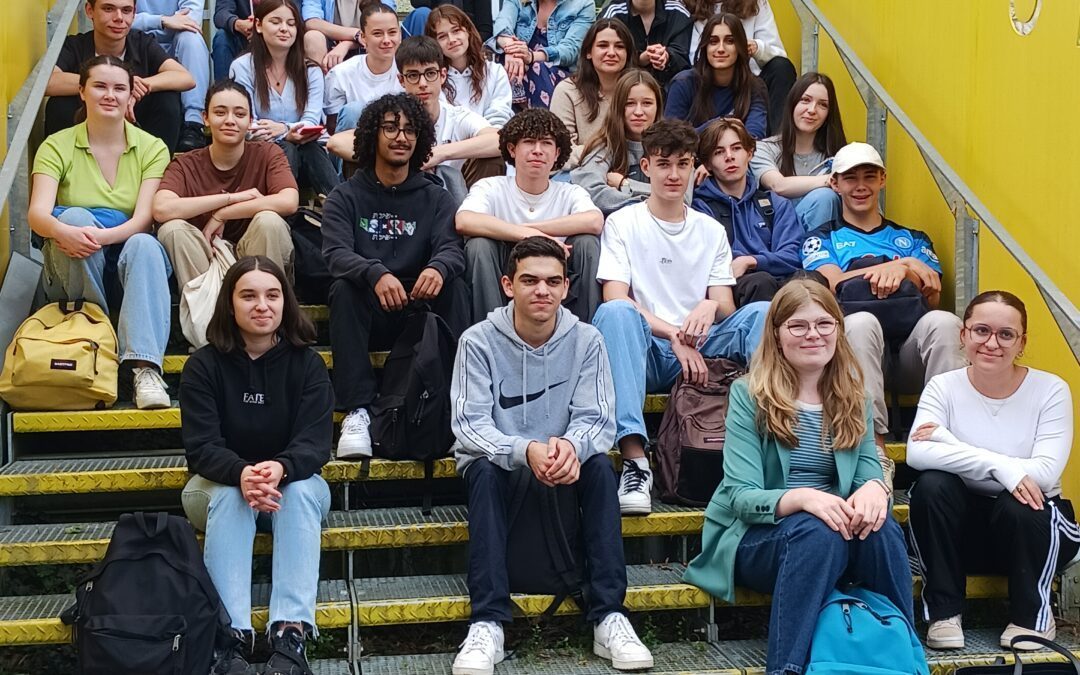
x=29 y=620
x=174 y=363
x=439 y=598
x=682 y=658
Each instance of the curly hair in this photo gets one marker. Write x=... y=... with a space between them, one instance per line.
x=535 y=123
x=366 y=136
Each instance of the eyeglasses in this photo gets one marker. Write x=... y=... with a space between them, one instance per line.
x=981 y=333
x=413 y=77
x=392 y=131
x=799 y=328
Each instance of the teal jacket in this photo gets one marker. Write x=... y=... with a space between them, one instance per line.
x=755 y=477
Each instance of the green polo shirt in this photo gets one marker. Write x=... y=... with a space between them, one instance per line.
x=66 y=157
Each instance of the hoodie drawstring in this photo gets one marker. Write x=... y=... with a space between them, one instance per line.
x=524 y=385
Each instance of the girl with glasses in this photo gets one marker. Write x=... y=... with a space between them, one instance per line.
x=802 y=503
x=992 y=441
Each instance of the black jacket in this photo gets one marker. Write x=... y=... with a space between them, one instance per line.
x=236 y=411
x=672 y=27
x=369 y=229
x=228 y=11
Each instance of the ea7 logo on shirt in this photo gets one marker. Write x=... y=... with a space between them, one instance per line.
x=387 y=226
x=254 y=399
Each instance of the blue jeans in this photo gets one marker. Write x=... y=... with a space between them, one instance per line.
x=488 y=489
x=230 y=526
x=189 y=49
x=799 y=561
x=227 y=45
x=143 y=270
x=818 y=207
x=643 y=363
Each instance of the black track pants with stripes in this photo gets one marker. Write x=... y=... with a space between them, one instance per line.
x=955 y=532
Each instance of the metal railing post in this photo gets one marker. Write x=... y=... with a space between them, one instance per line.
x=809 y=37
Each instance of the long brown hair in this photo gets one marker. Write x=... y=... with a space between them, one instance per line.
x=474 y=55
x=701 y=10
x=828 y=139
x=295 y=63
x=612 y=136
x=222 y=332
x=586 y=79
x=743 y=83
x=774 y=384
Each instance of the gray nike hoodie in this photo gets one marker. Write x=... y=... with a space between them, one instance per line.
x=506 y=394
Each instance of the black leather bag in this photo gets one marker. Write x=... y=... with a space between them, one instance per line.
x=897 y=313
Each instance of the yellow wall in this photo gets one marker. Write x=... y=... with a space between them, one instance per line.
x=22 y=41
x=1001 y=109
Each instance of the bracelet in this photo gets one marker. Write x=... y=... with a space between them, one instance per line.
x=888 y=492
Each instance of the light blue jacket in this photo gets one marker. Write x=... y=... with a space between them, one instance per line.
x=325 y=9
x=148 y=15
x=282 y=106
x=566 y=27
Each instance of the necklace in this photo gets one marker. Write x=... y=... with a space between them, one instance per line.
x=275 y=77
x=532 y=200
x=660 y=224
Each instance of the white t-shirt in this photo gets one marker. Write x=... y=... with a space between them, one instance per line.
x=993 y=443
x=457 y=123
x=669 y=266
x=352 y=81
x=500 y=196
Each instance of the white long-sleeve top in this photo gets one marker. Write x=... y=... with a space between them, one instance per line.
x=993 y=443
x=495 y=98
x=761 y=28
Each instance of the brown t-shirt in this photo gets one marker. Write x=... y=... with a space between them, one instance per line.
x=263 y=167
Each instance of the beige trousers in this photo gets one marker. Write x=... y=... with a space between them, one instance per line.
x=189 y=252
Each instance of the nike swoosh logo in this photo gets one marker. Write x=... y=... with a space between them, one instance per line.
x=507 y=402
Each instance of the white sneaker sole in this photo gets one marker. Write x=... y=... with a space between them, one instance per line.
x=352 y=452
x=618 y=664
x=467 y=670
x=638 y=509
x=154 y=403
x=951 y=643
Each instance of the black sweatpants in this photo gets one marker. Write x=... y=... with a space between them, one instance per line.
x=358 y=324
x=779 y=75
x=955 y=531
x=159 y=113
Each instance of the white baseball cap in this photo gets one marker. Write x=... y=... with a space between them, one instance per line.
x=856 y=154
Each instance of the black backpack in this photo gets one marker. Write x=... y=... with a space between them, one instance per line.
x=544 y=550
x=721 y=209
x=897 y=313
x=313 y=277
x=410 y=420
x=148 y=608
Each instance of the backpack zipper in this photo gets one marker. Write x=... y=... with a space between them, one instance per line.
x=176 y=644
x=420 y=409
x=847 y=616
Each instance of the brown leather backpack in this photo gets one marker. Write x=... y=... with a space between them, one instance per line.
x=690 y=445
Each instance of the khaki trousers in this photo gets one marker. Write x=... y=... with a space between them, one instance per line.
x=267 y=234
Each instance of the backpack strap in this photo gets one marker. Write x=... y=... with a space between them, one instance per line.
x=763 y=202
x=154 y=529
x=721 y=209
x=69 y=306
x=561 y=552
x=429 y=485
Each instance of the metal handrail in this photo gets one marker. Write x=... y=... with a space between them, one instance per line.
x=967 y=208
x=15 y=172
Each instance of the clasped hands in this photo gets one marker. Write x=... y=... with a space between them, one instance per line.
x=259 y=484
x=555 y=463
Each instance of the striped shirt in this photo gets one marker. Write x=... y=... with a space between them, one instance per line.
x=812 y=463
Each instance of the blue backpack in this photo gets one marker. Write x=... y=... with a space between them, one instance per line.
x=859 y=631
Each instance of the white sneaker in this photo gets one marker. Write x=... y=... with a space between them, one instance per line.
x=150 y=390
x=635 y=489
x=1012 y=630
x=614 y=638
x=481 y=650
x=355 y=440
x=945 y=634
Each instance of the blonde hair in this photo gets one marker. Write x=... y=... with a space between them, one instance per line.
x=774 y=384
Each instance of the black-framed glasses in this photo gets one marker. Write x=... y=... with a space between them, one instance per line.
x=413 y=77
x=799 y=327
x=392 y=131
x=1006 y=337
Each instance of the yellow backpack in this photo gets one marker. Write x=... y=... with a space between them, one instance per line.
x=63 y=357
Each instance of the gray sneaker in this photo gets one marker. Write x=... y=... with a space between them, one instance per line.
x=945 y=634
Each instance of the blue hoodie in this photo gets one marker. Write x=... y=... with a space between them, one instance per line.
x=777 y=252
x=506 y=393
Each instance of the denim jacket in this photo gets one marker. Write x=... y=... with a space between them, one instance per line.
x=566 y=26
x=325 y=9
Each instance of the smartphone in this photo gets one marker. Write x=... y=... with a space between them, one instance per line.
x=308 y=130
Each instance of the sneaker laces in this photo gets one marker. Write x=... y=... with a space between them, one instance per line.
x=355 y=421
x=633 y=477
x=148 y=377
x=290 y=645
x=481 y=638
x=619 y=632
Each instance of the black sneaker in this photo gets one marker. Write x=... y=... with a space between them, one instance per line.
x=192 y=137
x=231 y=659
x=288 y=656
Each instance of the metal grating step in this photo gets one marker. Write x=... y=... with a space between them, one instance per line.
x=174 y=363
x=682 y=658
x=28 y=620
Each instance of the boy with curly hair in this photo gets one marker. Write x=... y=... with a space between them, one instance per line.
x=389 y=240
x=503 y=210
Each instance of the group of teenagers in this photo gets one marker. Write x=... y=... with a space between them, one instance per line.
x=674 y=240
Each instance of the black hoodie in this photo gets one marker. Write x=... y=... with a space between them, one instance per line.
x=236 y=411
x=370 y=229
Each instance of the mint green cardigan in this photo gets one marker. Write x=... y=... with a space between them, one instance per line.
x=755 y=477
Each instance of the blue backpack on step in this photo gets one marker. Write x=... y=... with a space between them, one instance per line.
x=859 y=631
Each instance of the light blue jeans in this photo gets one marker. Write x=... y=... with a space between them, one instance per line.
x=143 y=269
x=349 y=115
x=230 y=526
x=818 y=207
x=190 y=50
x=643 y=363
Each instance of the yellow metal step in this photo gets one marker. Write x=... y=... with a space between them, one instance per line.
x=174 y=363
x=29 y=620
